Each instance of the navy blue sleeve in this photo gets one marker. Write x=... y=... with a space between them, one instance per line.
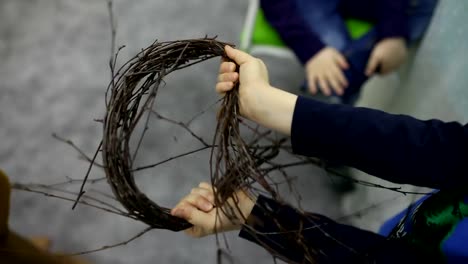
x=392 y=18
x=294 y=236
x=284 y=17
x=397 y=148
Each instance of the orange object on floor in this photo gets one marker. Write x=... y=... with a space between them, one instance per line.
x=15 y=249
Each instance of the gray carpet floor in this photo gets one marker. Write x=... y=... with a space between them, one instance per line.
x=53 y=75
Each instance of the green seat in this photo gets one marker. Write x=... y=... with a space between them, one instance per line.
x=261 y=33
x=264 y=33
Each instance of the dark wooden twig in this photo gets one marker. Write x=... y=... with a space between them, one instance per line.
x=73 y=145
x=181 y=124
x=123 y=243
x=48 y=193
x=86 y=177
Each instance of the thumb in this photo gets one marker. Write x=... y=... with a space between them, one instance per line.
x=341 y=60
x=238 y=56
x=372 y=64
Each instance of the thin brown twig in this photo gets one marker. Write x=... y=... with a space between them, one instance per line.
x=72 y=181
x=73 y=145
x=181 y=124
x=54 y=189
x=123 y=243
x=86 y=177
x=197 y=115
x=171 y=158
x=26 y=188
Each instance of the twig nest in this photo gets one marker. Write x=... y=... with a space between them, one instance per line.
x=133 y=90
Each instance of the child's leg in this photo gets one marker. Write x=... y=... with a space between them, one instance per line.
x=358 y=52
x=323 y=19
x=420 y=15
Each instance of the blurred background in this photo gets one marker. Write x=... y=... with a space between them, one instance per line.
x=53 y=74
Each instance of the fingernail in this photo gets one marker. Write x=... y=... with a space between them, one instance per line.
x=207 y=206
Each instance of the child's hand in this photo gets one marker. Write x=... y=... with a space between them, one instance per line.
x=258 y=101
x=389 y=54
x=326 y=69
x=198 y=209
x=252 y=77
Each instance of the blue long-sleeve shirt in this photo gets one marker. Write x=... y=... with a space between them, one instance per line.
x=389 y=16
x=396 y=148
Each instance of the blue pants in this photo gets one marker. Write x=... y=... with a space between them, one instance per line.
x=323 y=18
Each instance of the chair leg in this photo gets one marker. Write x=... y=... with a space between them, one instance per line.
x=249 y=23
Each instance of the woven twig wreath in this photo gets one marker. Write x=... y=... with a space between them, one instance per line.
x=235 y=163
x=136 y=80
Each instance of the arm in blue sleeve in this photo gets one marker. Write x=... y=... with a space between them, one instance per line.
x=396 y=148
x=283 y=16
x=279 y=228
x=392 y=18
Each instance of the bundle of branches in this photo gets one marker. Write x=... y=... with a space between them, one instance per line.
x=132 y=92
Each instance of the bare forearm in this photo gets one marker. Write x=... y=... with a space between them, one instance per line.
x=273 y=108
